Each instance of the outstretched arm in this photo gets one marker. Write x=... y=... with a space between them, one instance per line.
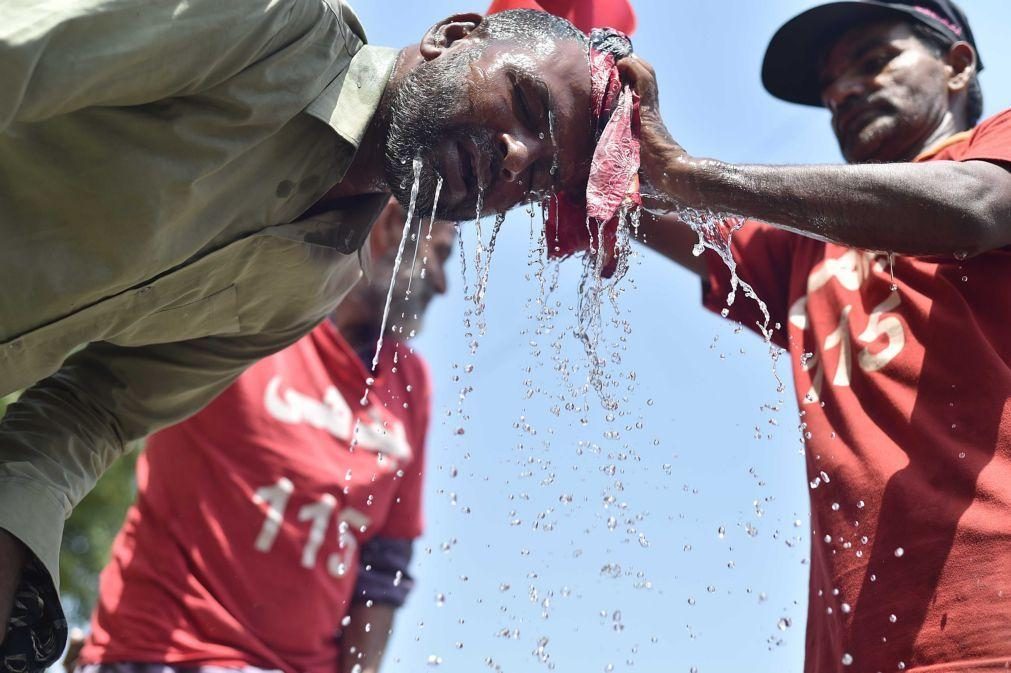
x=942 y=208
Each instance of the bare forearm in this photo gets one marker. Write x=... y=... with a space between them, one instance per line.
x=364 y=641
x=937 y=208
x=931 y=208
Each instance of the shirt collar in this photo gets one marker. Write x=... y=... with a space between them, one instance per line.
x=349 y=102
x=936 y=148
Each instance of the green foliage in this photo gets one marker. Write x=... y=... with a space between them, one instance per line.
x=88 y=534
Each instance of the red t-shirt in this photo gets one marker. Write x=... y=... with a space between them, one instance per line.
x=242 y=546
x=905 y=396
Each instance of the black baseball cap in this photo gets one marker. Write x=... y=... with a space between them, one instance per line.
x=790 y=70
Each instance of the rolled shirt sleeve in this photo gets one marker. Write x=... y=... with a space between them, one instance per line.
x=64 y=432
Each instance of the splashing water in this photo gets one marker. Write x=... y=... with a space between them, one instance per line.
x=715 y=232
x=463 y=258
x=479 y=245
x=554 y=143
x=594 y=293
x=483 y=272
x=428 y=237
x=400 y=255
x=435 y=204
x=707 y=226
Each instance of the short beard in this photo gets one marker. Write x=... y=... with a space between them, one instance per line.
x=422 y=113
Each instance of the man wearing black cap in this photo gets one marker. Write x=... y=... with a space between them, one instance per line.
x=902 y=358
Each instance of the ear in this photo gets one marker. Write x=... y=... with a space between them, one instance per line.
x=442 y=35
x=962 y=62
x=386 y=231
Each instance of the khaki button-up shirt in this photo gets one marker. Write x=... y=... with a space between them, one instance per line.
x=155 y=156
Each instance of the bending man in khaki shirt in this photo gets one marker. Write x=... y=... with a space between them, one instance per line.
x=185 y=188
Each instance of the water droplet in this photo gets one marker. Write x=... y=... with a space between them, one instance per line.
x=847 y=659
x=721 y=532
x=845 y=607
x=783 y=624
x=440 y=600
x=434 y=660
x=893 y=618
x=899 y=552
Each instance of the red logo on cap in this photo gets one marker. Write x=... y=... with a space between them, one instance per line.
x=937 y=17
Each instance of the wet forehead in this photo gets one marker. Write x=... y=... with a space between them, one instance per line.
x=561 y=66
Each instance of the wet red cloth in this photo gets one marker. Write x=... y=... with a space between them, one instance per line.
x=907 y=399
x=584 y=14
x=575 y=224
x=243 y=546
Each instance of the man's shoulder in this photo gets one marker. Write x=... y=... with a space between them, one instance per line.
x=1002 y=117
x=989 y=141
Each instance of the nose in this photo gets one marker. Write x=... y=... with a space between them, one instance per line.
x=518 y=153
x=840 y=90
x=436 y=276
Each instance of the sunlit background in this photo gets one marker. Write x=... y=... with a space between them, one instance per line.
x=669 y=534
x=677 y=546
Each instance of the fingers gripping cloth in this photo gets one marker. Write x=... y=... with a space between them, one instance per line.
x=576 y=224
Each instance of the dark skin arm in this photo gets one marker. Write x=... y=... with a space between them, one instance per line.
x=940 y=208
x=365 y=648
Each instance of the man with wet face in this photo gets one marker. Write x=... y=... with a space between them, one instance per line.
x=494 y=110
x=318 y=495
x=888 y=280
x=185 y=188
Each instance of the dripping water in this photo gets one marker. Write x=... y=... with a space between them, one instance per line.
x=396 y=263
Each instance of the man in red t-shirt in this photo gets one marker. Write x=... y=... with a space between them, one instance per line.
x=273 y=529
x=902 y=362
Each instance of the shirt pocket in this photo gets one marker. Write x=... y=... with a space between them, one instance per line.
x=215 y=314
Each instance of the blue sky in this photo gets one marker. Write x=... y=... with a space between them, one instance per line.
x=520 y=506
